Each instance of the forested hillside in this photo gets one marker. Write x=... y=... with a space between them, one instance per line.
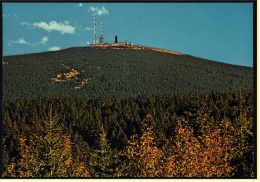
x=109 y=73
x=121 y=112
x=158 y=136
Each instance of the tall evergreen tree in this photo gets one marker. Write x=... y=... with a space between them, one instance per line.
x=47 y=153
x=103 y=160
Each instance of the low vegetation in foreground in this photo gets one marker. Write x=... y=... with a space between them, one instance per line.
x=192 y=135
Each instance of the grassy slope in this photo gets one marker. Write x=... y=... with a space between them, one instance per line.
x=118 y=73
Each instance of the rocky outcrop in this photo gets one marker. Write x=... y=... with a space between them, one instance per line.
x=72 y=75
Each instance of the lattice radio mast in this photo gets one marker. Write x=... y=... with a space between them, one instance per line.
x=101 y=31
x=95 y=37
x=101 y=36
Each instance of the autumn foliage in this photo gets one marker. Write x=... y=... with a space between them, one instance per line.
x=47 y=153
x=141 y=157
x=163 y=136
x=208 y=155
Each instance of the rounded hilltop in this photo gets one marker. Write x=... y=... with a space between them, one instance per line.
x=129 y=45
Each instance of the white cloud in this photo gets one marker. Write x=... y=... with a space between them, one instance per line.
x=99 y=11
x=25 y=23
x=20 y=41
x=55 y=48
x=80 y=5
x=9 y=15
x=62 y=27
x=89 y=29
x=5 y=15
x=44 y=40
x=87 y=43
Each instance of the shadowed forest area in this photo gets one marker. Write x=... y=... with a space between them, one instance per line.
x=158 y=136
x=101 y=113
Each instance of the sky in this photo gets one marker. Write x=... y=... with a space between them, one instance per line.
x=217 y=31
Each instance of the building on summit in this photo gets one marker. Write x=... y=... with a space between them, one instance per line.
x=101 y=39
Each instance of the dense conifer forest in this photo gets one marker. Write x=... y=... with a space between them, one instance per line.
x=121 y=73
x=126 y=113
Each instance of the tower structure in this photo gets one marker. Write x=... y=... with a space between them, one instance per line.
x=101 y=41
x=95 y=38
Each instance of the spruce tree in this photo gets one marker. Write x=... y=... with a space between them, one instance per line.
x=47 y=153
x=103 y=159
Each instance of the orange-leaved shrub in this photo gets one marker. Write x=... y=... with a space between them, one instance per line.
x=206 y=155
x=141 y=157
x=186 y=155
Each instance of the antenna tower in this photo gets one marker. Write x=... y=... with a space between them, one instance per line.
x=101 y=31
x=101 y=36
x=95 y=29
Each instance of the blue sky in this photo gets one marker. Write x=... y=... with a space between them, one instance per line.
x=218 y=31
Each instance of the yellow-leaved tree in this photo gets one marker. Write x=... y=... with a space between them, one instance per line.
x=186 y=155
x=46 y=153
x=141 y=157
x=206 y=155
